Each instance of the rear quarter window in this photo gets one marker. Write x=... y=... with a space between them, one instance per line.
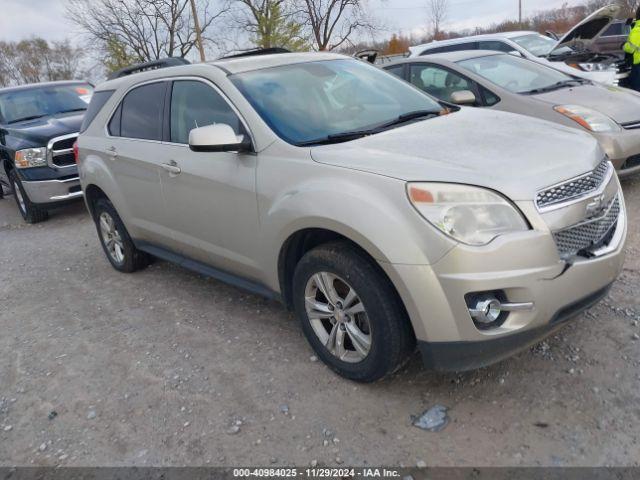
x=97 y=102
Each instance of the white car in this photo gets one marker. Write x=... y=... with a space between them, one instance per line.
x=571 y=54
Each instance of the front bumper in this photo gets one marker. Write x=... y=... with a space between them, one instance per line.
x=525 y=267
x=46 y=192
x=623 y=149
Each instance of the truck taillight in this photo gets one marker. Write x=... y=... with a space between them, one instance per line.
x=76 y=152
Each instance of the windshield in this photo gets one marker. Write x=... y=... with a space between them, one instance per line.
x=32 y=103
x=306 y=102
x=517 y=75
x=539 y=45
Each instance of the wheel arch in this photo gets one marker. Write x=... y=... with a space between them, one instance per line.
x=92 y=193
x=302 y=241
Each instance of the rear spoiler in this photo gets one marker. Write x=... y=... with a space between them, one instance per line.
x=367 y=55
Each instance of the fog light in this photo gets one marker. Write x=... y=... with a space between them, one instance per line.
x=489 y=310
x=486 y=310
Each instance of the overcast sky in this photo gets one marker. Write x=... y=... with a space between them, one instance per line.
x=46 y=18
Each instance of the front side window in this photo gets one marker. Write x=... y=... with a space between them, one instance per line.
x=397 y=70
x=517 y=75
x=142 y=112
x=309 y=101
x=439 y=82
x=32 y=103
x=195 y=104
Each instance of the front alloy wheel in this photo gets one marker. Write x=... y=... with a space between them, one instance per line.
x=350 y=313
x=338 y=317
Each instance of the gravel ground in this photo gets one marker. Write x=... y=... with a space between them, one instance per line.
x=165 y=367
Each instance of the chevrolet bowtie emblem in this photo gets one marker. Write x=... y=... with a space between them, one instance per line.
x=596 y=206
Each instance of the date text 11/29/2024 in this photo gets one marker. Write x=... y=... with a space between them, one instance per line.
x=316 y=472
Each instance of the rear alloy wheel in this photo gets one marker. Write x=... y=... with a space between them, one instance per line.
x=30 y=212
x=111 y=238
x=350 y=312
x=115 y=240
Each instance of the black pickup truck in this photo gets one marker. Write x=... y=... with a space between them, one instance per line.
x=39 y=125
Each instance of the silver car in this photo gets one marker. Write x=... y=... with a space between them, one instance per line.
x=573 y=54
x=382 y=218
x=511 y=84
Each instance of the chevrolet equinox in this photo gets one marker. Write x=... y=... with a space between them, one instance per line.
x=384 y=219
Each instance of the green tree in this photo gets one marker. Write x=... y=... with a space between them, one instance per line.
x=117 y=55
x=271 y=25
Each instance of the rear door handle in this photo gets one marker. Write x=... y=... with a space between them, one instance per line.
x=172 y=168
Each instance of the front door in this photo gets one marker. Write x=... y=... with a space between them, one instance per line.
x=211 y=197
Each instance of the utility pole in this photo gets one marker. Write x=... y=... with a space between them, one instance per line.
x=196 y=22
x=520 y=13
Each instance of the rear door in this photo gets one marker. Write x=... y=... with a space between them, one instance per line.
x=135 y=154
x=211 y=203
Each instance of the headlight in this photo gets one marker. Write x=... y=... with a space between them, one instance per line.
x=471 y=215
x=31 y=157
x=593 y=67
x=592 y=120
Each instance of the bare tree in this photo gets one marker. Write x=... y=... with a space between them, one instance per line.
x=146 y=29
x=36 y=60
x=334 y=23
x=629 y=6
x=437 y=11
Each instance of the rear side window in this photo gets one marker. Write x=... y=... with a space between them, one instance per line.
x=195 y=104
x=496 y=46
x=142 y=112
x=97 y=102
x=452 y=48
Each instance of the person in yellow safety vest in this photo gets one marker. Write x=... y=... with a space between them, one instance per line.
x=632 y=47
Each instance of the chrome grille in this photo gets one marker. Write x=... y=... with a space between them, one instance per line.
x=590 y=235
x=574 y=188
x=61 y=150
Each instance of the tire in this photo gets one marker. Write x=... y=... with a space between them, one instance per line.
x=384 y=321
x=115 y=240
x=29 y=211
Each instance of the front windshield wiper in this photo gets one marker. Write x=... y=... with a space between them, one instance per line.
x=71 y=110
x=338 y=138
x=354 y=135
x=557 y=86
x=406 y=117
x=24 y=119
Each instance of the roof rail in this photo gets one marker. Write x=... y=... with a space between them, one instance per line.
x=257 y=51
x=153 y=65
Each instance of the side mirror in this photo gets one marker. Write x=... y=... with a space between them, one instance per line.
x=463 y=97
x=218 y=138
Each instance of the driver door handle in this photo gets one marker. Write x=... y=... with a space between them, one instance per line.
x=172 y=168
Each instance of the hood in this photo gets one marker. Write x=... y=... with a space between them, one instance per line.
x=38 y=132
x=589 y=30
x=509 y=153
x=619 y=104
